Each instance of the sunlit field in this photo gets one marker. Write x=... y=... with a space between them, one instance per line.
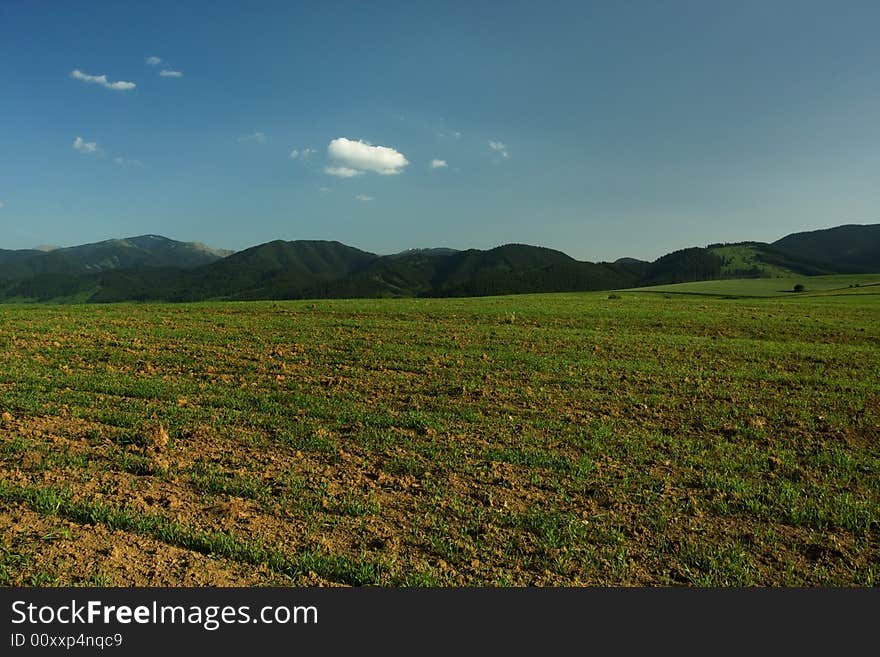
x=564 y=439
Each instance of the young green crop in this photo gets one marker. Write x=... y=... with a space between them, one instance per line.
x=694 y=439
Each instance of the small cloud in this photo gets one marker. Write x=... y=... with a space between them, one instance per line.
x=343 y=172
x=499 y=148
x=76 y=74
x=324 y=190
x=449 y=134
x=153 y=61
x=361 y=156
x=87 y=147
x=168 y=73
x=304 y=154
x=258 y=137
x=363 y=198
x=125 y=162
x=438 y=164
x=2 y=205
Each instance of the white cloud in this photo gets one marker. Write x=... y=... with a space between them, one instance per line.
x=102 y=80
x=168 y=73
x=438 y=164
x=258 y=137
x=121 y=86
x=304 y=154
x=124 y=162
x=324 y=190
x=363 y=198
x=2 y=205
x=153 y=61
x=361 y=157
x=342 y=172
x=499 y=148
x=87 y=147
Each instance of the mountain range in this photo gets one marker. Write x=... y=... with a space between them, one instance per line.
x=155 y=268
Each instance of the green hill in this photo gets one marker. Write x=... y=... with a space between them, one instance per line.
x=854 y=248
x=507 y=269
x=760 y=260
x=275 y=270
x=318 y=269
x=571 y=276
x=693 y=264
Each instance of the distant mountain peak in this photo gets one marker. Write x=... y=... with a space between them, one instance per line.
x=129 y=253
x=432 y=251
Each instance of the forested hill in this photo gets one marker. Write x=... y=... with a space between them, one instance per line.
x=846 y=249
x=154 y=268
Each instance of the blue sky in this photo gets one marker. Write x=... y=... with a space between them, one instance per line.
x=603 y=129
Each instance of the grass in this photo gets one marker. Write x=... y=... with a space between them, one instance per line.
x=779 y=284
x=741 y=258
x=656 y=438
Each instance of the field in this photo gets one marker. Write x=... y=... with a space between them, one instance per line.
x=566 y=439
x=834 y=285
